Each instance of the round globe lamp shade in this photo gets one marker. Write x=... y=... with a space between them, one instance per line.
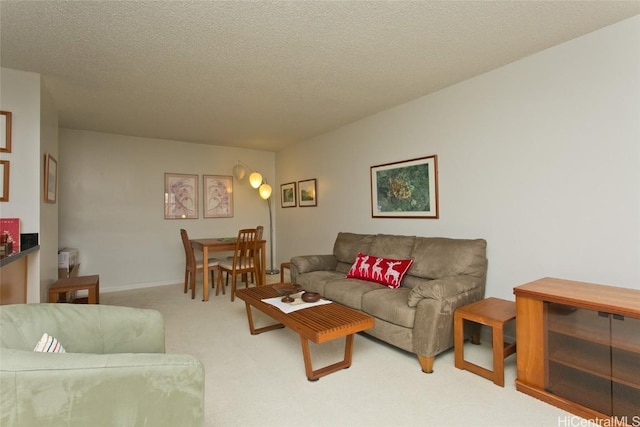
x=255 y=179
x=239 y=171
x=265 y=191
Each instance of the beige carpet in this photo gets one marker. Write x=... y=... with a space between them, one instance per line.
x=260 y=380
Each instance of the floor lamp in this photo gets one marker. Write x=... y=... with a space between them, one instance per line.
x=264 y=190
x=272 y=270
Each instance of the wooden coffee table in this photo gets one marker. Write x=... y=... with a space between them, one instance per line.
x=317 y=324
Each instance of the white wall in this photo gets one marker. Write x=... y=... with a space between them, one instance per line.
x=111 y=203
x=34 y=133
x=21 y=96
x=48 y=211
x=540 y=157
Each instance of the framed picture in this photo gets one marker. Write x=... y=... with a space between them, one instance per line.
x=180 y=196
x=5 y=132
x=307 y=194
x=407 y=189
x=4 y=176
x=288 y=195
x=218 y=196
x=50 y=179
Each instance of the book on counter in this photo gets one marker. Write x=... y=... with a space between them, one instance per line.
x=9 y=236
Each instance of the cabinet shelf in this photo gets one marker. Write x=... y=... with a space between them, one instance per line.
x=583 y=358
x=583 y=324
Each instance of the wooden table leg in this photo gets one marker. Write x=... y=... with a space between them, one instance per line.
x=205 y=273
x=94 y=295
x=257 y=331
x=315 y=375
x=498 y=355
x=458 y=337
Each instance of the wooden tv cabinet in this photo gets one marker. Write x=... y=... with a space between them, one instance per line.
x=579 y=348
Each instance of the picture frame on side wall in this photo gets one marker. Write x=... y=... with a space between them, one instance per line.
x=5 y=131
x=307 y=193
x=405 y=189
x=4 y=176
x=50 y=179
x=218 y=196
x=180 y=196
x=288 y=195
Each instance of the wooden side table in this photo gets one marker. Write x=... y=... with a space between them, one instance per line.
x=493 y=312
x=58 y=291
x=282 y=267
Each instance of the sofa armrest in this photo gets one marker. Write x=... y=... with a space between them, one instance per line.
x=442 y=289
x=116 y=389
x=308 y=263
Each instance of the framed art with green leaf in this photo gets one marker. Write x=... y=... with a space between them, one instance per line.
x=406 y=189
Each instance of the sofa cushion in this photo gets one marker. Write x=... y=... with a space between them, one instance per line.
x=385 y=271
x=390 y=305
x=392 y=246
x=315 y=281
x=349 y=245
x=349 y=291
x=437 y=257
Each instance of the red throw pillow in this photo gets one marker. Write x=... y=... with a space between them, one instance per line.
x=385 y=271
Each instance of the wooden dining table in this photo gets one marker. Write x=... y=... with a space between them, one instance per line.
x=227 y=244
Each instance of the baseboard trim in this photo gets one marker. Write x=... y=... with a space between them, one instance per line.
x=133 y=286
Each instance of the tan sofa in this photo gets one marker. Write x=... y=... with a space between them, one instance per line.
x=418 y=316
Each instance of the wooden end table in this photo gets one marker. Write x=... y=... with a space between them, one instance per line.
x=59 y=290
x=493 y=312
x=318 y=324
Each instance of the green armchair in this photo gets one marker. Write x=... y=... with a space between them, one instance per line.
x=114 y=372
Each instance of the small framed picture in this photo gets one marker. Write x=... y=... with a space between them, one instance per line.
x=5 y=132
x=50 y=179
x=4 y=176
x=218 y=196
x=406 y=189
x=288 y=195
x=180 y=196
x=307 y=193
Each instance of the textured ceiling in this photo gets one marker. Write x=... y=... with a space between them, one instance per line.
x=266 y=74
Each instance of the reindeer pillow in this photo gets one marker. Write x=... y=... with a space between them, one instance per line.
x=385 y=271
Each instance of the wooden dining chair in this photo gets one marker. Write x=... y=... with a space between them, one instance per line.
x=193 y=266
x=244 y=260
x=259 y=233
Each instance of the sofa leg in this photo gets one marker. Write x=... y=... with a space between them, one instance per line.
x=426 y=363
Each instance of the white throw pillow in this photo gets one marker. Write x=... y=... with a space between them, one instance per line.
x=49 y=344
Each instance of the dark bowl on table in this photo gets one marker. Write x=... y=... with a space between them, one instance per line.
x=310 y=297
x=287 y=288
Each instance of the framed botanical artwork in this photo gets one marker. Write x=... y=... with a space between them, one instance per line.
x=50 y=179
x=4 y=176
x=218 y=196
x=5 y=131
x=307 y=194
x=288 y=195
x=180 y=196
x=406 y=189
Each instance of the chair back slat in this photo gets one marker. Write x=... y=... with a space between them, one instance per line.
x=246 y=249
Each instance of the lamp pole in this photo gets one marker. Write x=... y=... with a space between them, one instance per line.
x=272 y=270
